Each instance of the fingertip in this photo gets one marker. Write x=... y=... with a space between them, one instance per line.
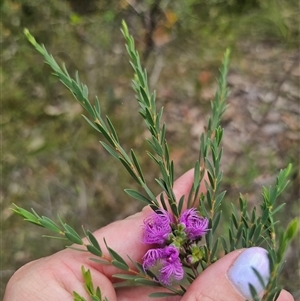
x=285 y=296
x=241 y=273
x=229 y=278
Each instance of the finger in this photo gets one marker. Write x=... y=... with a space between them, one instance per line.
x=53 y=278
x=125 y=236
x=230 y=276
x=285 y=296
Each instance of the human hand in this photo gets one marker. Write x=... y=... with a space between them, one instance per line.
x=56 y=277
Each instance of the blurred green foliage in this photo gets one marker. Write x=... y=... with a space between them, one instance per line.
x=51 y=159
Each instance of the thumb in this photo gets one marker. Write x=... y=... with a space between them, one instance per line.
x=229 y=278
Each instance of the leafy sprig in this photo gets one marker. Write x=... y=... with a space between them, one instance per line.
x=245 y=229
x=276 y=259
x=65 y=231
x=210 y=155
x=95 y=294
x=160 y=150
x=100 y=124
x=253 y=229
x=137 y=275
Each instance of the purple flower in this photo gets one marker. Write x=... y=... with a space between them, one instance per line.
x=195 y=225
x=151 y=257
x=157 y=227
x=168 y=259
x=172 y=267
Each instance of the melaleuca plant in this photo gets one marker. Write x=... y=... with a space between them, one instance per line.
x=183 y=237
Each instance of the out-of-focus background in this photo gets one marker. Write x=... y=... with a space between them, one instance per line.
x=52 y=160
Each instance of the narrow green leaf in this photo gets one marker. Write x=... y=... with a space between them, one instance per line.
x=209 y=198
x=278 y=208
x=77 y=249
x=216 y=221
x=72 y=235
x=137 y=165
x=162 y=200
x=55 y=237
x=214 y=249
x=150 y=193
x=147 y=282
x=49 y=224
x=162 y=184
x=239 y=234
x=73 y=238
x=97 y=107
x=138 y=196
x=183 y=288
x=77 y=297
x=211 y=180
x=104 y=131
x=116 y=256
x=292 y=229
x=28 y=216
x=224 y=244
x=110 y=150
x=196 y=175
x=163 y=134
x=140 y=77
x=93 y=125
x=113 y=131
x=265 y=216
x=93 y=240
x=231 y=240
x=190 y=277
x=92 y=249
x=155 y=146
x=120 y=265
x=253 y=216
x=129 y=169
x=257 y=233
x=209 y=167
x=100 y=261
x=214 y=154
x=252 y=230
x=209 y=239
x=180 y=204
x=125 y=276
x=253 y=293
x=219 y=199
x=152 y=157
x=260 y=278
x=138 y=266
x=174 y=209
x=145 y=97
x=171 y=173
x=164 y=174
x=234 y=220
x=87 y=277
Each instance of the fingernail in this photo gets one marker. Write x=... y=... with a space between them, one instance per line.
x=241 y=272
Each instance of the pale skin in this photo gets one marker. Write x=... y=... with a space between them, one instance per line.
x=56 y=277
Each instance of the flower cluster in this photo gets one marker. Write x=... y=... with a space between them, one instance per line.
x=175 y=240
